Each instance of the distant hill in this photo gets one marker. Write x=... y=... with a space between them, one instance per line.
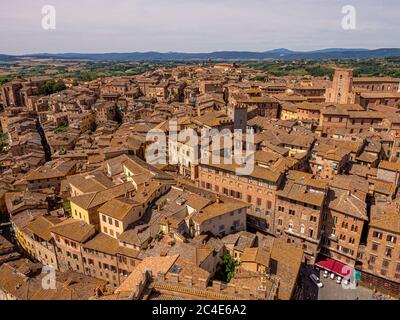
x=276 y=54
x=5 y=57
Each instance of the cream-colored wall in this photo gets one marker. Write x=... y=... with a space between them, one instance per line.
x=79 y=213
x=111 y=228
x=213 y=225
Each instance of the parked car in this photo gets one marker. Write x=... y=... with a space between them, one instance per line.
x=326 y=274
x=332 y=276
x=339 y=280
x=316 y=280
x=346 y=281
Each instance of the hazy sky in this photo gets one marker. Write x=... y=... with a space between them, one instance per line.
x=195 y=25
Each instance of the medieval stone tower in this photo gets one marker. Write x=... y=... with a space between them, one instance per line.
x=341 y=91
x=239 y=116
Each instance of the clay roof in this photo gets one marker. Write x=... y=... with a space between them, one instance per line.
x=344 y=202
x=256 y=255
x=151 y=264
x=288 y=260
x=386 y=218
x=118 y=208
x=218 y=209
x=91 y=182
x=103 y=243
x=76 y=230
x=48 y=172
x=41 y=226
x=390 y=166
x=138 y=235
x=94 y=199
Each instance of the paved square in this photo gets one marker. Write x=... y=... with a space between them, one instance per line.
x=331 y=290
x=334 y=291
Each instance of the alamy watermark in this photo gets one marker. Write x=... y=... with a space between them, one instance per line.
x=188 y=148
x=349 y=21
x=49 y=19
x=49 y=280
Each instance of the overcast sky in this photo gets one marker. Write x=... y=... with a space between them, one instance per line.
x=195 y=25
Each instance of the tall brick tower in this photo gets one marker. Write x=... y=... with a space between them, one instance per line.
x=239 y=116
x=342 y=87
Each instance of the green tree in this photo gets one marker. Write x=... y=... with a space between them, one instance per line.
x=4 y=80
x=52 y=86
x=258 y=78
x=3 y=146
x=226 y=269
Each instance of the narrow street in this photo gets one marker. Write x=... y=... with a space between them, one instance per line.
x=46 y=147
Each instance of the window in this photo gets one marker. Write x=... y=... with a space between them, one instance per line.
x=105 y=230
x=385 y=263
x=290 y=227
x=310 y=233
x=388 y=252
x=391 y=239
x=302 y=229
x=104 y=218
x=280 y=222
x=292 y=212
x=375 y=247
x=281 y=209
x=259 y=201
x=372 y=259
x=249 y=199
x=377 y=234
x=110 y=221
x=116 y=223
x=313 y=219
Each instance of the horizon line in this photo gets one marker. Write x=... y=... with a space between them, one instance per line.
x=197 y=52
